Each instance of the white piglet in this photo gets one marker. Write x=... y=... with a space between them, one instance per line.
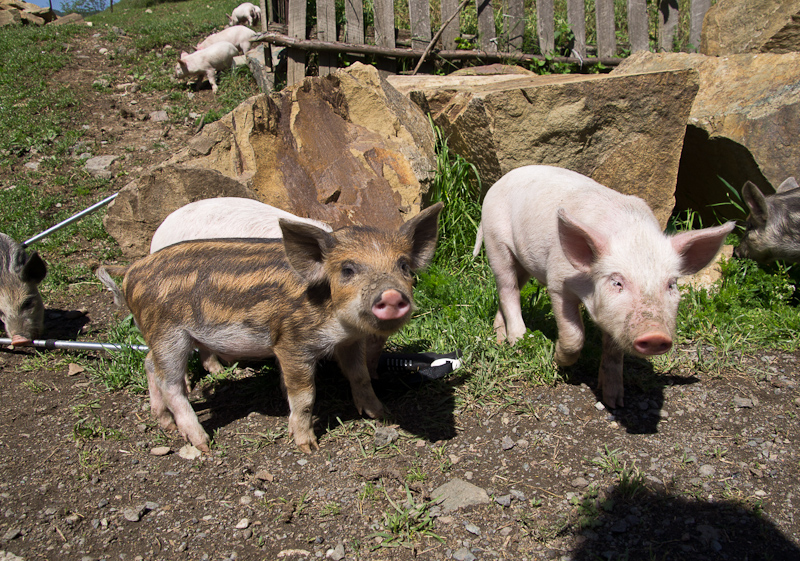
x=589 y=244
x=245 y=13
x=238 y=35
x=206 y=62
x=224 y=217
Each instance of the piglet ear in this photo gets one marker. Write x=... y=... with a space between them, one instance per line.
x=759 y=210
x=697 y=248
x=306 y=248
x=581 y=244
x=423 y=230
x=184 y=54
x=34 y=269
x=788 y=184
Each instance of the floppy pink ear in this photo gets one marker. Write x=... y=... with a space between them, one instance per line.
x=184 y=54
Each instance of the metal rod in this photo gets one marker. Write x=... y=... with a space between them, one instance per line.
x=70 y=220
x=78 y=345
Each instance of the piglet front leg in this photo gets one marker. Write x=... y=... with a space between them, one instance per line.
x=298 y=381
x=610 y=378
x=352 y=361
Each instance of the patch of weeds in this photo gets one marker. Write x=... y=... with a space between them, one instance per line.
x=608 y=460
x=36 y=386
x=125 y=368
x=415 y=474
x=92 y=461
x=261 y=440
x=589 y=508
x=368 y=493
x=331 y=509
x=406 y=523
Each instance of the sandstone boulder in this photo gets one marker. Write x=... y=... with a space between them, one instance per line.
x=734 y=27
x=345 y=149
x=743 y=125
x=624 y=131
x=17 y=11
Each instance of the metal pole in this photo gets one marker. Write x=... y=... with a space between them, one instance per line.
x=78 y=345
x=70 y=220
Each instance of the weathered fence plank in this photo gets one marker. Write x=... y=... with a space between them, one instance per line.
x=545 y=12
x=384 y=23
x=354 y=14
x=451 y=32
x=606 y=37
x=696 y=15
x=296 y=59
x=667 y=23
x=419 y=12
x=326 y=31
x=514 y=24
x=487 y=37
x=576 y=17
x=637 y=25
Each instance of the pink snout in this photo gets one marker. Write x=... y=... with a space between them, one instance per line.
x=653 y=343
x=20 y=341
x=391 y=305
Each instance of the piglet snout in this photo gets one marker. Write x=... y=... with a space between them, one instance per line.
x=20 y=341
x=390 y=305
x=653 y=343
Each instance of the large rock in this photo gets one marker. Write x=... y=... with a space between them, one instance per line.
x=624 y=131
x=744 y=123
x=344 y=149
x=17 y=11
x=735 y=27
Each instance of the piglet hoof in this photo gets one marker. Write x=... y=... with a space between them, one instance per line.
x=612 y=397
x=372 y=408
x=307 y=445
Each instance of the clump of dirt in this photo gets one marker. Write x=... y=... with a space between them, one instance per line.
x=694 y=467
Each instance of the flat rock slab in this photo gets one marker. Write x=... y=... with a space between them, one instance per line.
x=624 y=133
x=98 y=166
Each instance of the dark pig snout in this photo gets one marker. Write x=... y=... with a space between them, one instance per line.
x=391 y=305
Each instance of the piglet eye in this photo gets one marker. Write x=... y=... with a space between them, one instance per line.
x=348 y=271
x=403 y=265
x=672 y=284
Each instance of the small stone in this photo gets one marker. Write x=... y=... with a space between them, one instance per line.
x=599 y=406
x=337 y=553
x=133 y=513
x=243 y=523
x=98 y=166
x=472 y=529
x=160 y=451
x=101 y=82
x=189 y=452
x=517 y=495
x=73 y=369
x=503 y=500
x=463 y=554
x=507 y=443
x=33 y=166
x=159 y=116
x=563 y=409
x=264 y=475
x=385 y=436
x=523 y=444
x=742 y=402
x=579 y=483
x=11 y=533
x=707 y=470
x=301 y=462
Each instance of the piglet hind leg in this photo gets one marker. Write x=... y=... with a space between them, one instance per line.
x=169 y=399
x=510 y=277
x=610 y=378
x=298 y=381
x=352 y=361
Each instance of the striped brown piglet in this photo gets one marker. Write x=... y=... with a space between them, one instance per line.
x=312 y=295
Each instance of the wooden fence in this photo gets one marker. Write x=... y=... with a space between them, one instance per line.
x=491 y=46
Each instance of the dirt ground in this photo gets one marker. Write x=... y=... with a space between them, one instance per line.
x=695 y=467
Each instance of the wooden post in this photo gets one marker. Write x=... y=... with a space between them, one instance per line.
x=487 y=36
x=576 y=17
x=514 y=24
x=606 y=39
x=295 y=58
x=326 y=31
x=545 y=15
x=384 y=33
x=697 y=14
x=419 y=12
x=354 y=14
x=264 y=15
x=637 y=25
x=667 y=23
x=452 y=31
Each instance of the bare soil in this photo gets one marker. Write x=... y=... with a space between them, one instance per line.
x=694 y=467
